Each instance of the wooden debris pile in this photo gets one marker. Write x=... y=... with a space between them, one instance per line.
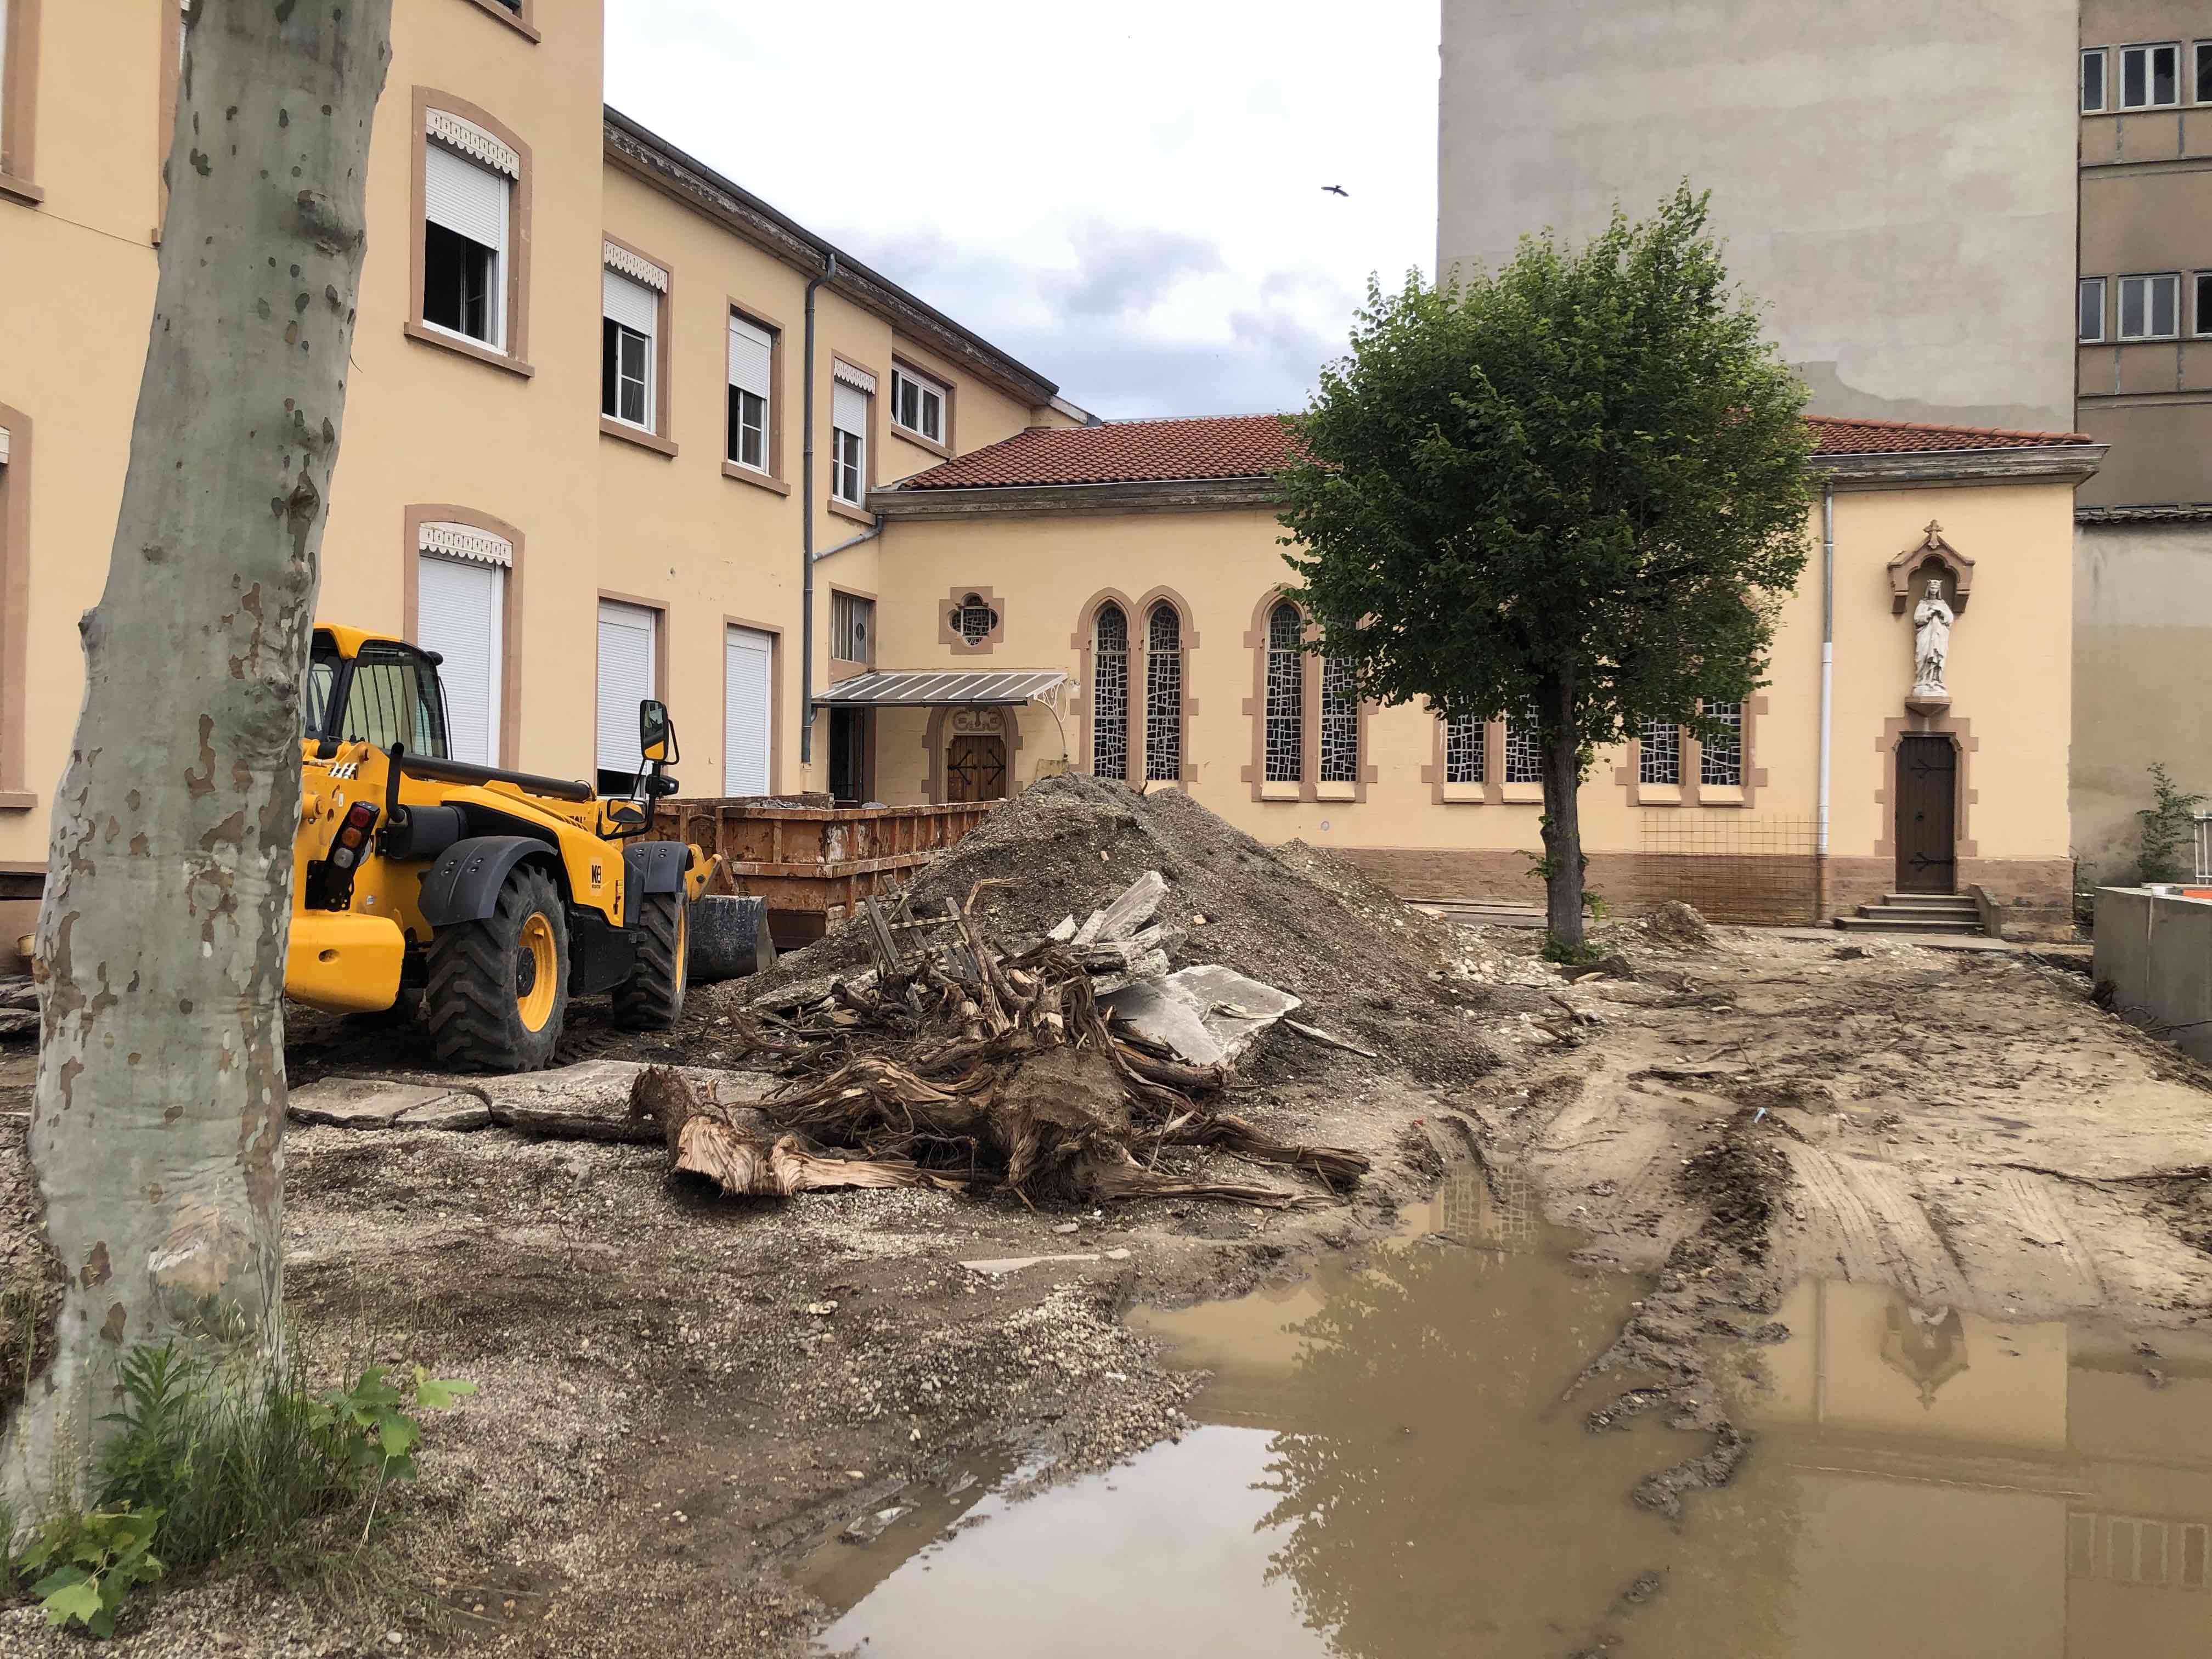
x=957 y=1060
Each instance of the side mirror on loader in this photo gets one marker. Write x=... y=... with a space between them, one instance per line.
x=656 y=732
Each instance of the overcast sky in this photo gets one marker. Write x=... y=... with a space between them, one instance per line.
x=1128 y=198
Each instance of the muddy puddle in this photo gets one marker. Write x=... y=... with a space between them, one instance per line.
x=1385 y=1467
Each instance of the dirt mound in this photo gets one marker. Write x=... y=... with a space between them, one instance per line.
x=1368 y=967
x=1678 y=925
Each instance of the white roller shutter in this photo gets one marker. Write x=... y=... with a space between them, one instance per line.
x=626 y=680
x=748 y=358
x=629 y=303
x=748 y=665
x=460 y=613
x=467 y=199
x=848 y=410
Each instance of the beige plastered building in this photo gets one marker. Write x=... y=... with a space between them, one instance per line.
x=1134 y=569
x=574 y=450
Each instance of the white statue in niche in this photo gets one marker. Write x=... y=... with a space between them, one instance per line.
x=1931 y=641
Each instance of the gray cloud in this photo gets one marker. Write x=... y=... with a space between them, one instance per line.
x=1125 y=270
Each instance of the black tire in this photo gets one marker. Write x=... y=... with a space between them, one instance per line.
x=489 y=1011
x=652 y=998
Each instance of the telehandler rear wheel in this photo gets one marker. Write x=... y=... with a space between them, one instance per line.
x=652 y=998
x=499 y=988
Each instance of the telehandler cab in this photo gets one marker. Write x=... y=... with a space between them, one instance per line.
x=494 y=895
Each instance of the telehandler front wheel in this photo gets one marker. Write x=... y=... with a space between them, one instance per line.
x=499 y=988
x=652 y=998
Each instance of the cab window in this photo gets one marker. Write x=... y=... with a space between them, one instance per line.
x=393 y=696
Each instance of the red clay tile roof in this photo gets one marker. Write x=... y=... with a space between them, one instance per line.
x=1255 y=445
x=1837 y=436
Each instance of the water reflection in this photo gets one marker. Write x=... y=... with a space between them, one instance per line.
x=1391 y=1473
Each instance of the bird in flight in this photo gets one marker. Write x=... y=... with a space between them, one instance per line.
x=1335 y=190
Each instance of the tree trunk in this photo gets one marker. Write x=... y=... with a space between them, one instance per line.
x=155 y=1129
x=1563 y=825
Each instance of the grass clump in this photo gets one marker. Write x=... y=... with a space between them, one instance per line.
x=209 y=1461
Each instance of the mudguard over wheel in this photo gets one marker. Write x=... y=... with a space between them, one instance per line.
x=499 y=988
x=652 y=998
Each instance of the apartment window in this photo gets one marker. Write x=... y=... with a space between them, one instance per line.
x=629 y=339
x=2094 y=62
x=918 y=405
x=752 y=357
x=2150 y=308
x=460 y=612
x=853 y=391
x=1659 y=753
x=1464 y=760
x=1720 y=758
x=1524 y=757
x=465 y=211
x=2202 y=317
x=1163 y=695
x=630 y=672
x=1109 y=693
x=2092 y=306
x=1286 y=695
x=2203 y=77
x=2150 y=76
x=852 y=627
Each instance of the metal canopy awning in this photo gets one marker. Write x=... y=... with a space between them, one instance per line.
x=944 y=688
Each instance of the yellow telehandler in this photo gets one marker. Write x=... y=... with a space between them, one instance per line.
x=494 y=895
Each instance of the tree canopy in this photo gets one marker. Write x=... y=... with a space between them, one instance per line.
x=1576 y=486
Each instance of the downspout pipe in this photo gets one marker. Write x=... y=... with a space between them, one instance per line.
x=806 y=529
x=1828 y=697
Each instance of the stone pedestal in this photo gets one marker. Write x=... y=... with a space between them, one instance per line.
x=1929 y=703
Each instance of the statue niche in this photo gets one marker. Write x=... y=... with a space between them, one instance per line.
x=1934 y=580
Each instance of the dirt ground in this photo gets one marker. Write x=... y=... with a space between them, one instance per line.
x=682 y=1394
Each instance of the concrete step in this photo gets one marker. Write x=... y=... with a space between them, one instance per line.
x=1929 y=901
x=1877 y=919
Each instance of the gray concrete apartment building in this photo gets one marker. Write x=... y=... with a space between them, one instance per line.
x=1989 y=213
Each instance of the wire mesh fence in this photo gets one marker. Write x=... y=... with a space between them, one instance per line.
x=1740 y=867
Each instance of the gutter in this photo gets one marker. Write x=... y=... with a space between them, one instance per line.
x=2072 y=463
x=807 y=531
x=1828 y=697
x=867 y=535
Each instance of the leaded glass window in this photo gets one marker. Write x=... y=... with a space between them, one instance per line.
x=974 y=619
x=1720 y=761
x=1109 y=694
x=1464 y=760
x=1286 y=695
x=1339 y=722
x=1163 y=695
x=1661 y=757
x=1524 y=757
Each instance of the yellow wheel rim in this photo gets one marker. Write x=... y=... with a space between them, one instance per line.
x=537 y=973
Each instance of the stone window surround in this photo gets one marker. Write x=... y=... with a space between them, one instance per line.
x=1254 y=772
x=625 y=261
x=774 y=478
x=947 y=634
x=515 y=359
x=522 y=18
x=15 y=795
x=1693 y=790
x=1961 y=733
x=413 y=518
x=1084 y=642
x=18 y=114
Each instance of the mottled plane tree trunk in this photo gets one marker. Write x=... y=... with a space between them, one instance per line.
x=156 y=1133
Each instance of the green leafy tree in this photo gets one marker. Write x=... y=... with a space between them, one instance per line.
x=1575 y=489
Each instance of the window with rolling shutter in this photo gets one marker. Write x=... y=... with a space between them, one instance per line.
x=466 y=208
x=748 y=680
x=848 y=440
x=631 y=329
x=627 y=674
x=751 y=366
x=461 y=614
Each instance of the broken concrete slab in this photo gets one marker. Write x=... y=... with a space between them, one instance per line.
x=1208 y=1015
x=1133 y=908
x=373 y=1102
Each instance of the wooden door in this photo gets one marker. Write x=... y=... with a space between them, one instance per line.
x=1927 y=815
x=975 y=769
